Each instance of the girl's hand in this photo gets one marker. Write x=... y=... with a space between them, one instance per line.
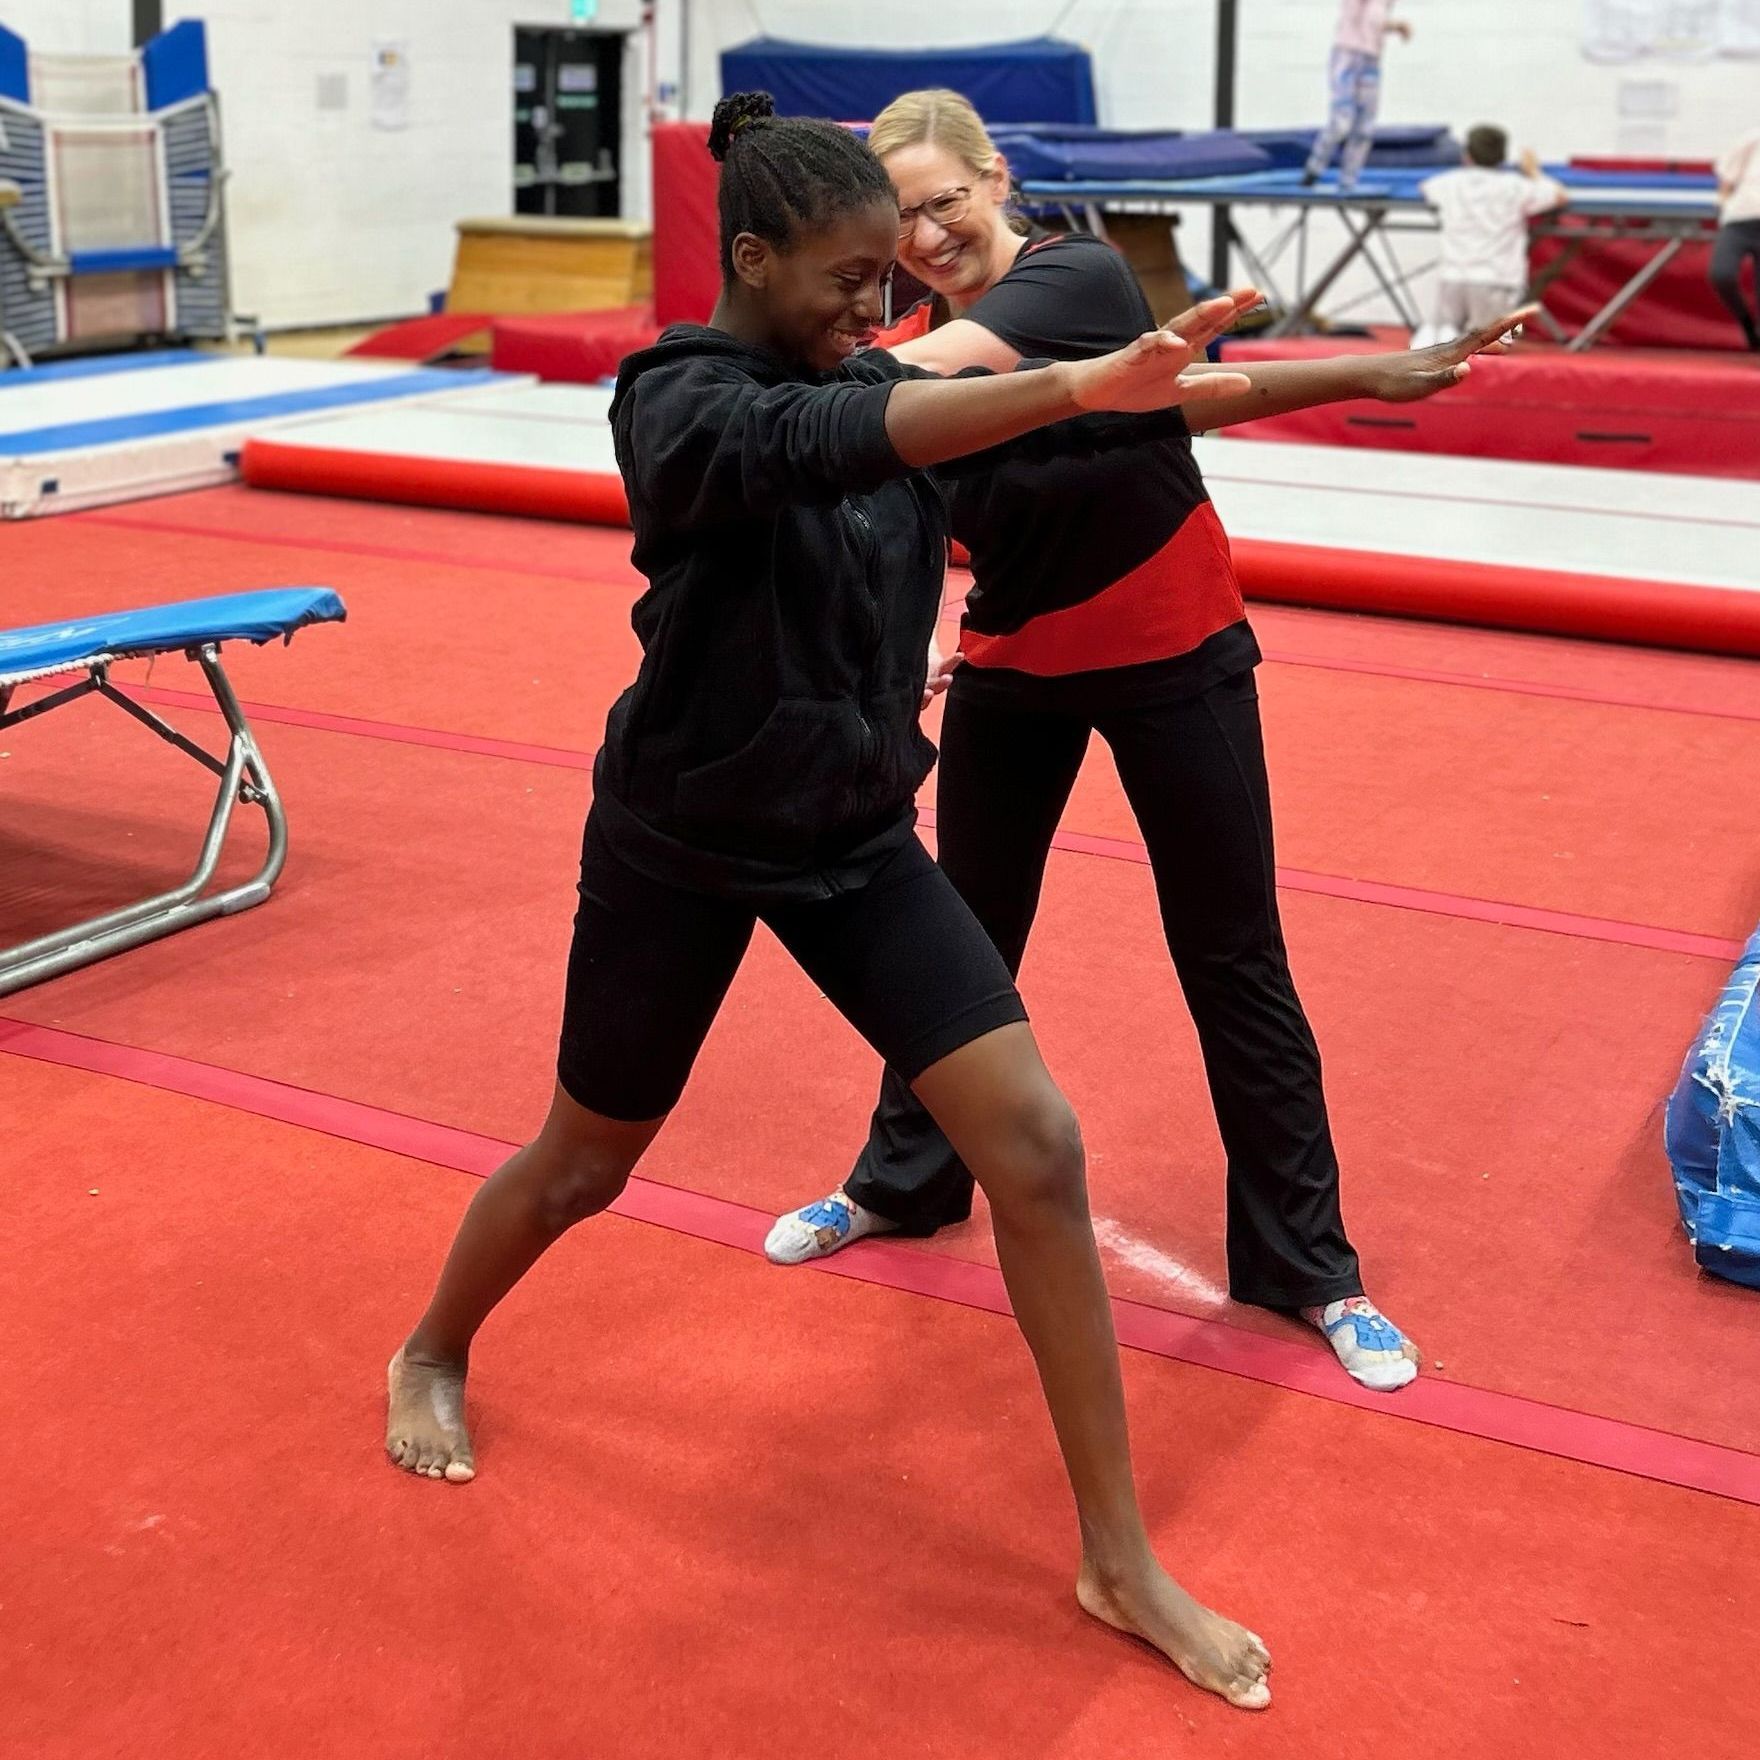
x=1150 y=373
x=1409 y=378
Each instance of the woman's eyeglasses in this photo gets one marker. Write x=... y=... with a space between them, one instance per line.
x=946 y=209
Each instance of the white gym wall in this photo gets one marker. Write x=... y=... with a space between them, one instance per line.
x=71 y=27
x=1518 y=63
x=337 y=221
x=334 y=220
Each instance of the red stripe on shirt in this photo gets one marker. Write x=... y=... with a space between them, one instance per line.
x=913 y=324
x=1166 y=606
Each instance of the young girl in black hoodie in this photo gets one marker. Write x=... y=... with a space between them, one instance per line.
x=788 y=516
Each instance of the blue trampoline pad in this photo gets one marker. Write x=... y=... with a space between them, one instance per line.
x=159 y=629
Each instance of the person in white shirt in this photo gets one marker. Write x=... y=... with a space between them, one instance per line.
x=1738 y=232
x=1485 y=208
x=1354 y=75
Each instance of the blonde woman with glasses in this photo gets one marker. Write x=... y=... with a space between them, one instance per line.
x=1104 y=601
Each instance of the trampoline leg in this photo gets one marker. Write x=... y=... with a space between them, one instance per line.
x=1301 y=320
x=243 y=777
x=1608 y=316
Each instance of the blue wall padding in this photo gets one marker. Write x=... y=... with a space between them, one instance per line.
x=177 y=64
x=1038 y=81
x=1713 y=1131
x=15 y=67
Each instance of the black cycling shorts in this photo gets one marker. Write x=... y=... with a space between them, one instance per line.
x=902 y=957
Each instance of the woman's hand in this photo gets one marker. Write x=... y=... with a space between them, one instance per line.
x=1409 y=378
x=941 y=671
x=1201 y=324
x=1150 y=373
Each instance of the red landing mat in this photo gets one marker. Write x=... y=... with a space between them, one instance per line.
x=422 y=339
x=575 y=347
x=1619 y=409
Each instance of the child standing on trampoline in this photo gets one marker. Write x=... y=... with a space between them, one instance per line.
x=1354 y=88
x=763 y=767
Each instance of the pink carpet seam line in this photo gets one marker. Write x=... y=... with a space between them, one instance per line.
x=1412 y=898
x=349 y=547
x=1509 y=1419
x=1423 y=675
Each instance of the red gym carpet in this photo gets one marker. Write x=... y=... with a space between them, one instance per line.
x=731 y=1510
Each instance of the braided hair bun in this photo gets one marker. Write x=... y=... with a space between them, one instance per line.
x=733 y=115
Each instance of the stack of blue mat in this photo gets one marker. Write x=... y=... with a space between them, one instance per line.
x=1406 y=148
x=1045 y=153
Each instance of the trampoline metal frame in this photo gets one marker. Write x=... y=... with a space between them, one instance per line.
x=244 y=777
x=1371 y=218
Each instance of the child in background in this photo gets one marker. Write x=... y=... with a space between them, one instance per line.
x=1354 y=79
x=1738 y=232
x=1485 y=208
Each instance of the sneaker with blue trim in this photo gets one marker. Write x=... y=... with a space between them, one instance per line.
x=821 y=1229
x=1372 y=1349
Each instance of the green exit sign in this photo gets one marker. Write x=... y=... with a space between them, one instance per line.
x=584 y=10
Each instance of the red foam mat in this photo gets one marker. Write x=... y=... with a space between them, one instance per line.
x=577 y=348
x=1662 y=614
x=1612 y=409
x=584 y=347
x=590 y=497
x=421 y=339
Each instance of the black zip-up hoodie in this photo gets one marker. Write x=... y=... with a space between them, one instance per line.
x=769 y=747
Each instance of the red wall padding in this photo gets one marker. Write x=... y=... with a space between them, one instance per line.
x=687 y=268
x=1698 y=415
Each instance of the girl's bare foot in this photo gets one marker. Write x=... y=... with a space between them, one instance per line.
x=1210 y=1651
x=425 y=1431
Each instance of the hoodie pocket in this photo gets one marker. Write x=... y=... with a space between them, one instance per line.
x=791 y=782
x=907 y=754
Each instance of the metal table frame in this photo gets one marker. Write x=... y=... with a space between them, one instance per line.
x=1371 y=215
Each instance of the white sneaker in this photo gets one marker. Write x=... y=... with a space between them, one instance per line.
x=821 y=1229
x=1372 y=1349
